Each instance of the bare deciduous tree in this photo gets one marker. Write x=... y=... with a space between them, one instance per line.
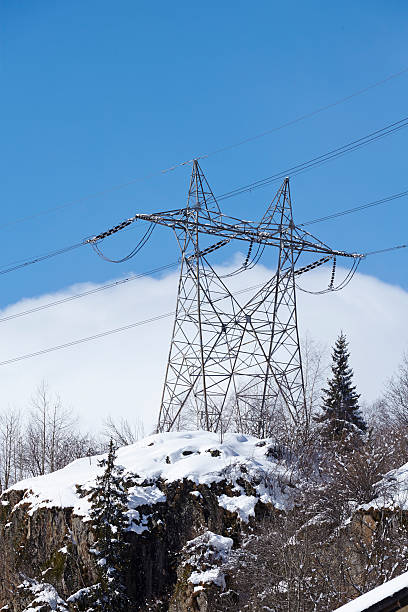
x=122 y=432
x=396 y=394
x=315 y=367
x=10 y=439
x=48 y=428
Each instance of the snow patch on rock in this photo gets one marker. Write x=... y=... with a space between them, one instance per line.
x=244 y=505
x=214 y=575
x=208 y=547
x=195 y=456
x=43 y=594
x=204 y=555
x=391 y=491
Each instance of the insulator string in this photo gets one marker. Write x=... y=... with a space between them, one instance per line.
x=333 y=274
x=346 y=281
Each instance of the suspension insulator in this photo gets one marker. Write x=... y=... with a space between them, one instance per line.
x=312 y=266
x=333 y=274
x=111 y=231
x=251 y=244
x=210 y=249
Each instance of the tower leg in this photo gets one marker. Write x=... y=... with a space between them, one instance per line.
x=222 y=352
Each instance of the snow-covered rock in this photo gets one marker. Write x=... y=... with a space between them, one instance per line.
x=196 y=456
x=45 y=597
x=200 y=573
x=392 y=491
x=190 y=492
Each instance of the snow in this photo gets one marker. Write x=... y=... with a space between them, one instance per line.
x=195 y=493
x=138 y=524
x=203 y=553
x=392 y=490
x=79 y=594
x=208 y=547
x=145 y=495
x=376 y=595
x=214 y=575
x=197 y=456
x=244 y=505
x=45 y=594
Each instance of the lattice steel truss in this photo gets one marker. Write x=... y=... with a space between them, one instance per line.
x=223 y=351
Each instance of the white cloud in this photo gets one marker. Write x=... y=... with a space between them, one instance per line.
x=122 y=374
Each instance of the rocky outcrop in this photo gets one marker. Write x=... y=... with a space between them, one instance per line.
x=201 y=573
x=52 y=545
x=192 y=501
x=181 y=531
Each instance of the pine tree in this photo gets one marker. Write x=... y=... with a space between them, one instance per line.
x=109 y=517
x=341 y=413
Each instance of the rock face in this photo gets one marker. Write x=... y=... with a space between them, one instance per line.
x=50 y=544
x=193 y=500
x=200 y=577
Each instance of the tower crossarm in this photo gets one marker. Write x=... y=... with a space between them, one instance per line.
x=248 y=231
x=190 y=220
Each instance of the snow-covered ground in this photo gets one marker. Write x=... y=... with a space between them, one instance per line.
x=197 y=456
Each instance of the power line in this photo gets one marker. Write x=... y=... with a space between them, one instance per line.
x=305 y=116
x=103 y=334
x=348 y=211
x=39 y=258
x=333 y=154
x=123 y=185
x=88 y=339
x=110 y=332
x=395 y=248
x=77 y=296
x=320 y=159
x=126 y=280
x=22 y=263
x=293 y=171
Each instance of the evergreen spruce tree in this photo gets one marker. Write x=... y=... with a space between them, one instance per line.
x=341 y=413
x=109 y=517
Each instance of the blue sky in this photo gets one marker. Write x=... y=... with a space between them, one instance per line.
x=98 y=93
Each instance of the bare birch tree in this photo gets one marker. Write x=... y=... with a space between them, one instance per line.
x=10 y=438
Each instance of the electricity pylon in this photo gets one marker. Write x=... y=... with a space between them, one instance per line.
x=221 y=350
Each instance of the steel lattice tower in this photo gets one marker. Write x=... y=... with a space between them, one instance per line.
x=223 y=351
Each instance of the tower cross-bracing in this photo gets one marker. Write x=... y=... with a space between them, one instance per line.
x=223 y=350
